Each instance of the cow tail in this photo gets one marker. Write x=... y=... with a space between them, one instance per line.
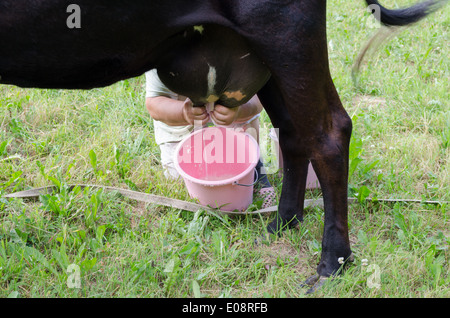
x=391 y=19
x=404 y=16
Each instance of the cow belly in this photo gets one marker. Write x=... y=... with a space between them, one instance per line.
x=210 y=63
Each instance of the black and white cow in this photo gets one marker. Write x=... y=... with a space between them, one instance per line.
x=276 y=48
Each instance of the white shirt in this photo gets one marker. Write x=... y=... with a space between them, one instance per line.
x=163 y=132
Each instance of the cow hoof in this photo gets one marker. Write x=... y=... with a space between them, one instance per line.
x=314 y=283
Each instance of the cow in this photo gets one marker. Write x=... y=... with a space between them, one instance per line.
x=275 y=48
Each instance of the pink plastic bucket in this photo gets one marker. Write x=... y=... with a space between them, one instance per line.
x=217 y=165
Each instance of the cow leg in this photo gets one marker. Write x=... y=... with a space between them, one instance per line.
x=330 y=161
x=324 y=140
x=295 y=164
x=290 y=209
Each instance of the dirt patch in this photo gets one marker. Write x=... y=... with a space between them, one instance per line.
x=283 y=250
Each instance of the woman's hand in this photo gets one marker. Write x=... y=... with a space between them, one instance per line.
x=194 y=114
x=223 y=115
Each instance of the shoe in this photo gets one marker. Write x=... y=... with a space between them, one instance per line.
x=269 y=197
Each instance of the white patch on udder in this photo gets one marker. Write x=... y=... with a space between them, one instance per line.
x=211 y=79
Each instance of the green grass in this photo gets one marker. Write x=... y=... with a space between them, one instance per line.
x=122 y=248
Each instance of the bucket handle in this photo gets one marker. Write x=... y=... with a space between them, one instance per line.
x=248 y=185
